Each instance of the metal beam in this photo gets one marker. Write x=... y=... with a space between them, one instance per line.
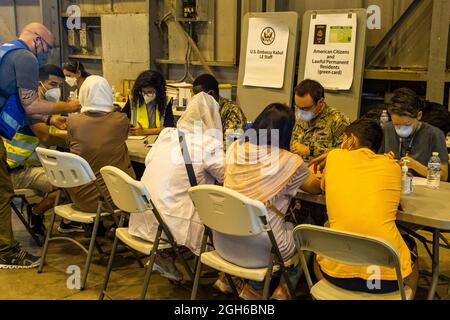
x=276 y=5
x=378 y=50
x=437 y=62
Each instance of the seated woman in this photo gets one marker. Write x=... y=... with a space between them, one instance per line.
x=75 y=74
x=363 y=193
x=267 y=171
x=167 y=181
x=148 y=108
x=408 y=138
x=98 y=135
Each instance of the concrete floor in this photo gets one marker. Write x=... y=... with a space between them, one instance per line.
x=127 y=277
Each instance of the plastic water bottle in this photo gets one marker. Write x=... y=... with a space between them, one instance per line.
x=434 y=171
x=384 y=118
x=407 y=179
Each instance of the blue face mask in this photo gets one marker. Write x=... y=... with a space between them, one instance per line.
x=42 y=57
x=404 y=131
x=305 y=115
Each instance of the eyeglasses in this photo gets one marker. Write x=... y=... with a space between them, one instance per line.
x=306 y=108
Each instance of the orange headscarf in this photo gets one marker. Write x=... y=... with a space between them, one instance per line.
x=259 y=172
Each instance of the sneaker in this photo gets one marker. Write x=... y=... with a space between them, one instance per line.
x=167 y=268
x=70 y=227
x=249 y=293
x=19 y=259
x=222 y=285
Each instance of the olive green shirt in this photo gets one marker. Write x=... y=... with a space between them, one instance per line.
x=322 y=134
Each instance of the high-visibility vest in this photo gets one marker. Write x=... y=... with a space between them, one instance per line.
x=21 y=149
x=139 y=114
x=12 y=114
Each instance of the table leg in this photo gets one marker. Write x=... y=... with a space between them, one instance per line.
x=435 y=265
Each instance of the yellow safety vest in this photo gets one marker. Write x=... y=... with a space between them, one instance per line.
x=141 y=115
x=21 y=150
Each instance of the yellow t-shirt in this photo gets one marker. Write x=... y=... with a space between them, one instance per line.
x=362 y=193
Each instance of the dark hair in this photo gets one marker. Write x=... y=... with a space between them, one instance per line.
x=154 y=79
x=437 y=115
x=375 y=112
x=368 y=132
x=276 y=116
x=50 y=70
x=75 y=66
x=311 y=87
x=206 y=83
x=405 y=102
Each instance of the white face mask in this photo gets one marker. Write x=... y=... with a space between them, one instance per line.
x=71 y=81
x=305 y=115
x=404 y=131
x=149 y=97
x=53 y=95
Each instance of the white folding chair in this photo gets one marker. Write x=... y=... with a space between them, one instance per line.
x=131 y=196
x=352 y=249
x=67 y=170
x=229 y=212
x=22 y=195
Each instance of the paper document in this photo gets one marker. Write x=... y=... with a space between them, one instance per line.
x=137 y=137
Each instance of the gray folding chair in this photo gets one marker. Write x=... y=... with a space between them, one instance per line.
x=352 y=249
x=220 y=209
x=67 y=170
x=131 y=196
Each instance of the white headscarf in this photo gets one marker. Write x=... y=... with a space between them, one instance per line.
x=96 y=95
x=202 y=112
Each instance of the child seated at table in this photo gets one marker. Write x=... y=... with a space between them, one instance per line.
x=362 y=196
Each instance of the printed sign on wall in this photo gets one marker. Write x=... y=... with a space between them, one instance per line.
x=330 y=57
x=266 y=53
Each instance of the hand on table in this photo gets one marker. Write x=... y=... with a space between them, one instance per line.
x=300 y=149
x=390 y=155
x=138 y=131
x=319 y=163
x=59 y=122
x=412 y=164
x=74 y=105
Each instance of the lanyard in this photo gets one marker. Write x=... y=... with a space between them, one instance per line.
x=408 y=148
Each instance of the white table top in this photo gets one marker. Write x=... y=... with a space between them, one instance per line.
x=426 y=207
x=138 y=149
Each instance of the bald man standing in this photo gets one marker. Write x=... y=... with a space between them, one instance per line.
x=19 y=77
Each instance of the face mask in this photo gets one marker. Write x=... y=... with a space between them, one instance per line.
x=71 y=81
x=305 y=115
x=149 y=97
x=53 y=95
x=404 y=131
x=42 y=57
